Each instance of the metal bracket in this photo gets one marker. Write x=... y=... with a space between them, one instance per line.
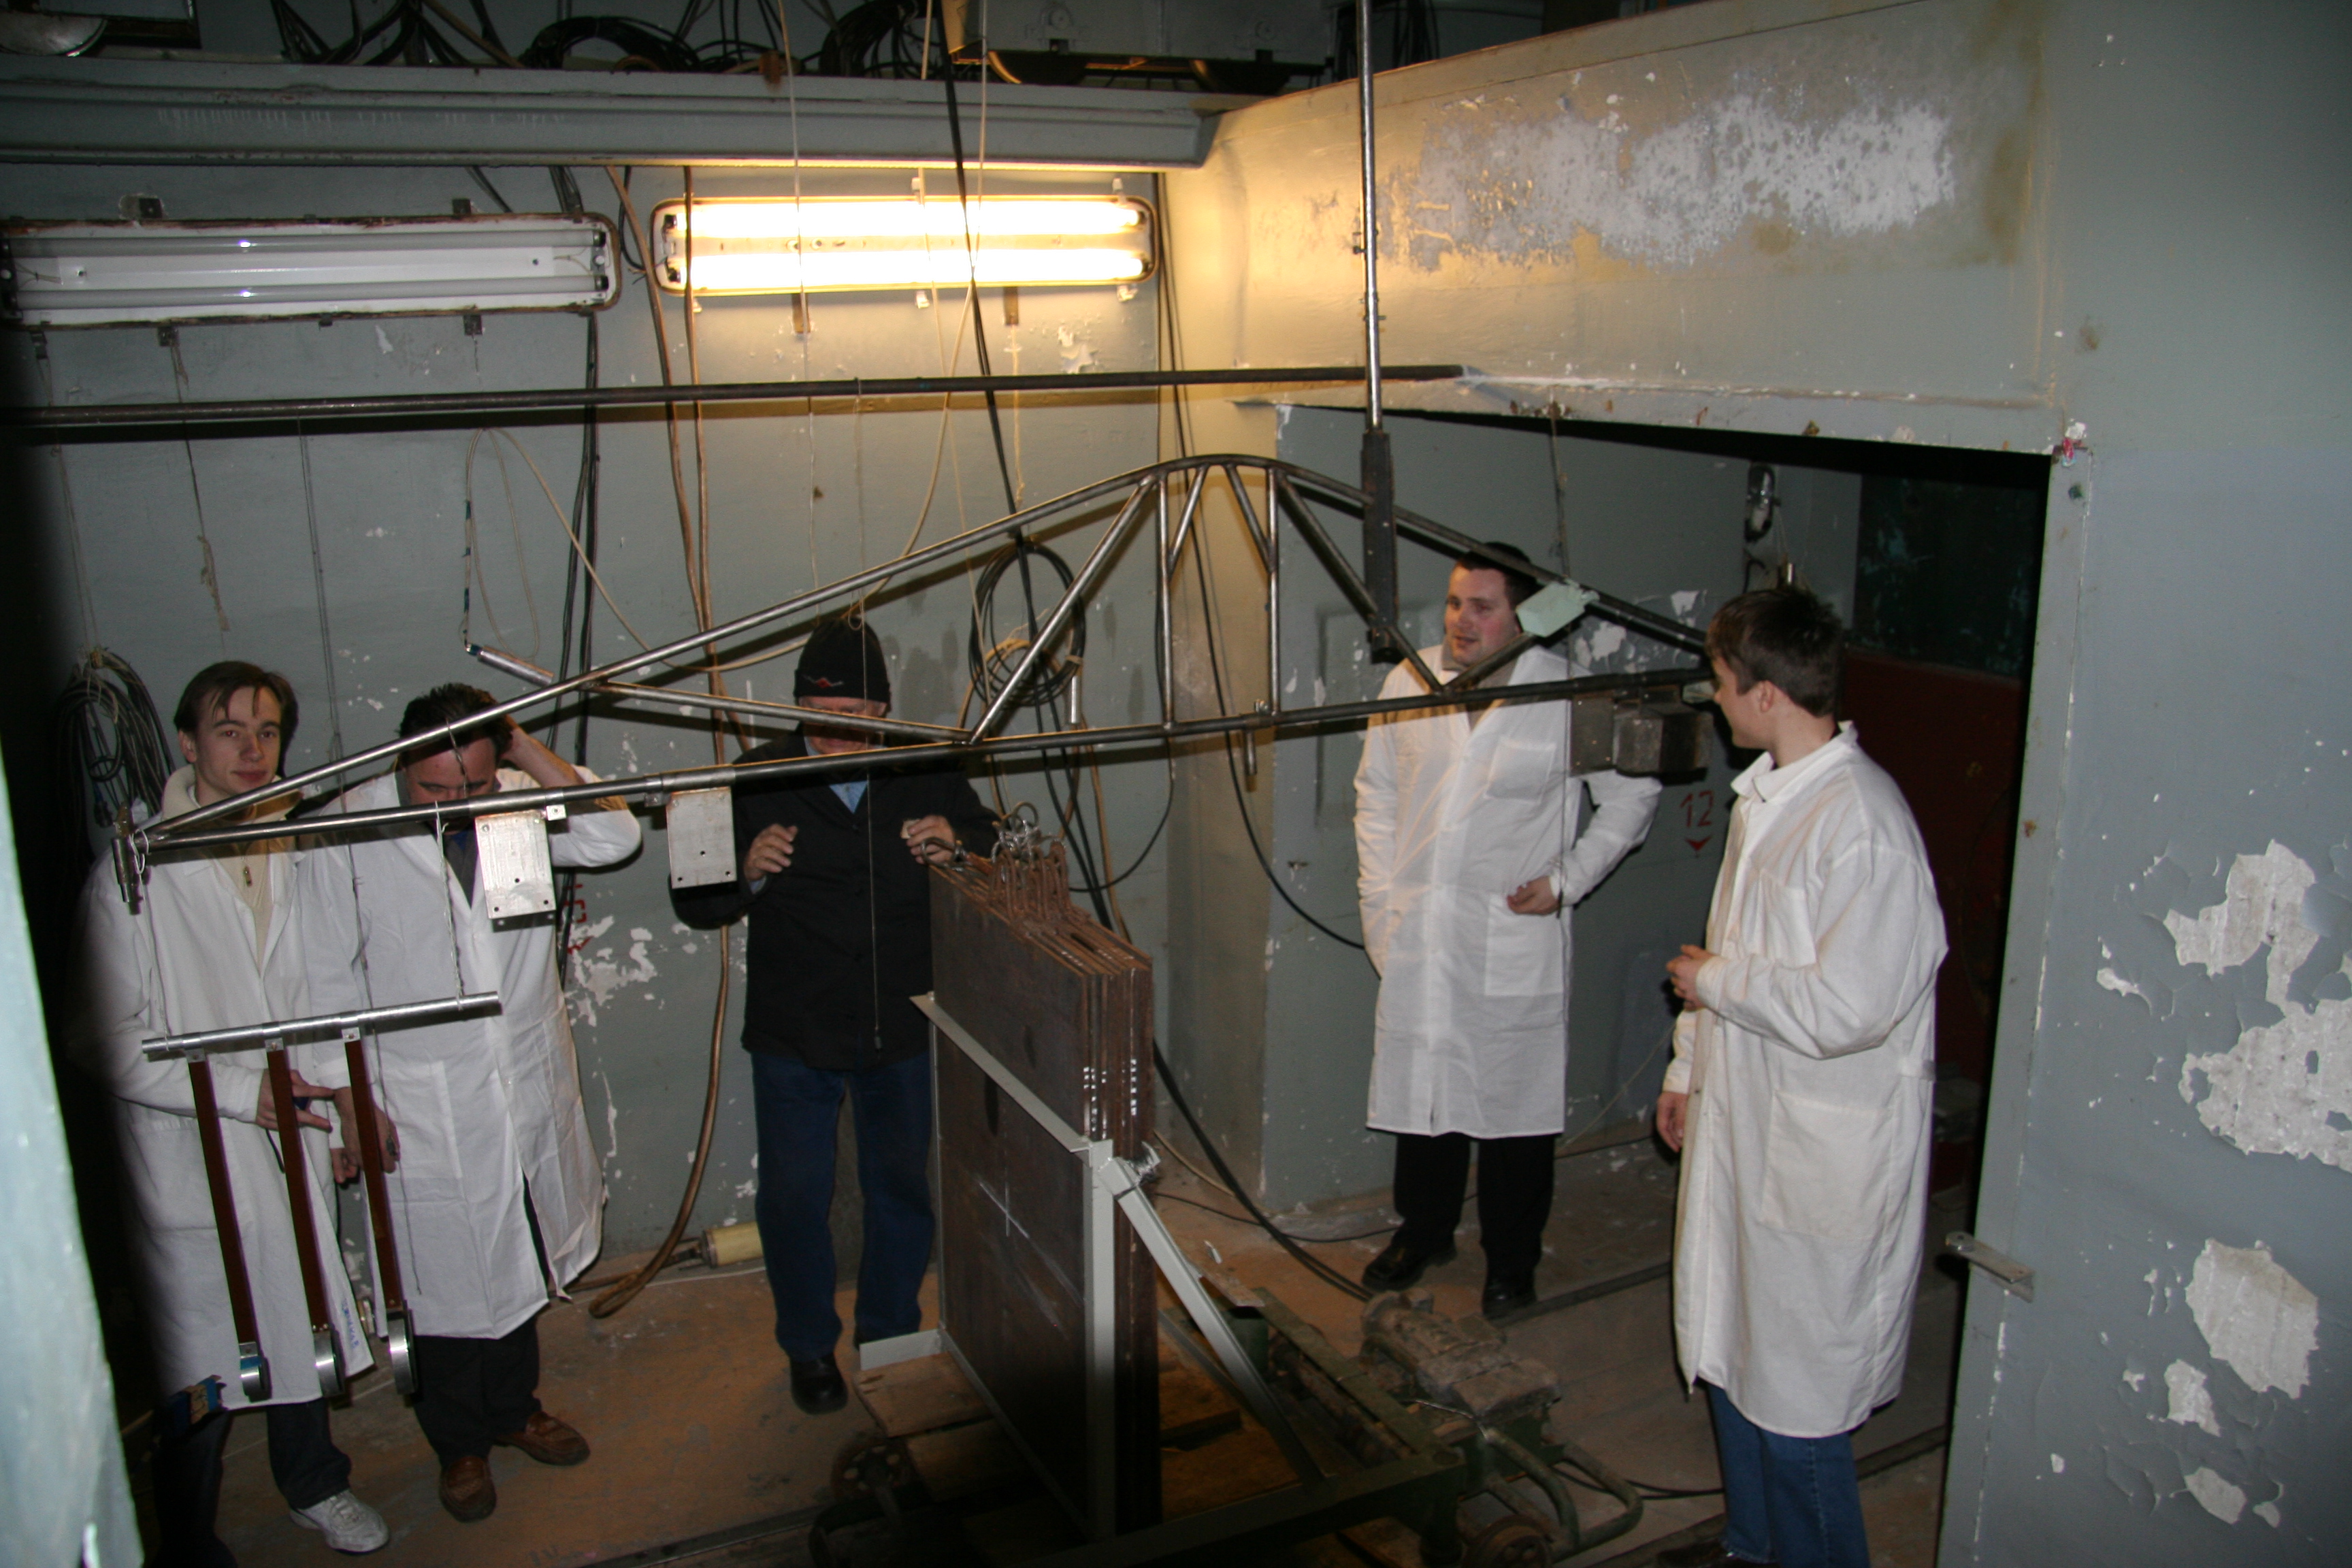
x=2014 y=1276
x=518 y=879
x=701 y=832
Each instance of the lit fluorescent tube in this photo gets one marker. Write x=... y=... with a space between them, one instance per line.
x=756 y=245
x=104 y=274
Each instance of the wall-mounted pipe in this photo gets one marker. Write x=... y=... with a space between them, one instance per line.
x=416 y=403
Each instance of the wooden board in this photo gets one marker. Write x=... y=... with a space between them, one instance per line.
x=919 y=1395
x=1065 y=1007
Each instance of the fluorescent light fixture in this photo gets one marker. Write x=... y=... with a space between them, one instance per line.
x=103 y=274
x=758 y=246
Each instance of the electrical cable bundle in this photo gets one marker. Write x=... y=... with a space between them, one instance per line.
x=112 y=748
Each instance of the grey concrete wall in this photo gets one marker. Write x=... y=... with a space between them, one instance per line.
x=796 y=497
x=2108 y=231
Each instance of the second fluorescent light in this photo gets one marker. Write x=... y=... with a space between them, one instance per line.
x=784 y=247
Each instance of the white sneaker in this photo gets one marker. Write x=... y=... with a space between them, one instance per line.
x=349 y=1525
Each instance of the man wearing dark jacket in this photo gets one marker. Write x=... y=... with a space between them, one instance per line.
x=833 y=870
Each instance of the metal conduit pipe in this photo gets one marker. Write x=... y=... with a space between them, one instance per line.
x=395 y=405
x=1672 y=633
x=163 y=837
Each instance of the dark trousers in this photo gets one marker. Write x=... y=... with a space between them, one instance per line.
x=798 y=1109
x=1514 y=1196
x=471 y=1390
x=1795 y=1501
x=303 y=1460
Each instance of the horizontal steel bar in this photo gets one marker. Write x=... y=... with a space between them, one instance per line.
x=247 y=1036
x=736 y=774
x=413 y=404
x=858 y=722
x=181 y=830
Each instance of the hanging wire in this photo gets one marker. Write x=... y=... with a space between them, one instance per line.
x=112 y=752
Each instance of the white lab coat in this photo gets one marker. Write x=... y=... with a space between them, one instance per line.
x=1812 y=1072
x=1471 y=1034
x=485 y=1104
x=186 y=963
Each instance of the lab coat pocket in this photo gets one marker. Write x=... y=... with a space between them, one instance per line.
x=1523 y=769
x=1830 y=1170
x=1523 y=954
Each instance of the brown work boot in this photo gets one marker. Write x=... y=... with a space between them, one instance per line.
x=467 y=1491
x=548 y=1440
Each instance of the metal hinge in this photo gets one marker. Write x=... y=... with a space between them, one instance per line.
x=2015 y=1277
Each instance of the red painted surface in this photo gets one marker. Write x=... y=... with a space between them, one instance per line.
x=1954 y=741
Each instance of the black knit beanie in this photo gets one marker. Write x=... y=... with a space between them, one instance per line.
x=843 y=659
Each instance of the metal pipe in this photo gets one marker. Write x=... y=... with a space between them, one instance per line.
x=1384 y=625
x=1192 y=506
x=395 y=405
x=1249 y=516
x=691 y=643
x=734 y=773
x=1043 y=637
x=1371 y=236
x=1280 y=478
x=1167 y=597
x=905 y=727
x=247 y=1036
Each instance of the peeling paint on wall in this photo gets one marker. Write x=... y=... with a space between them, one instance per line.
x=2221 y=1499
x=2191 y=1402
x=1499 y=181
x=2258 y=1318
x=2287 y=1087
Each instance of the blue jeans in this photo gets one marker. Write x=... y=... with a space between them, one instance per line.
x=1794 y=1502
x=797 y=1108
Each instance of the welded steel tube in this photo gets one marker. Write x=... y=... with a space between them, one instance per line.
x=1371 y=238
x=1281 y=478
x=394 y=406
x=1043 y=638
x=907 y=728
x=245 y=1036
x=736 y=773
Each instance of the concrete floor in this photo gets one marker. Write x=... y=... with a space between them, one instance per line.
x=683 y=1396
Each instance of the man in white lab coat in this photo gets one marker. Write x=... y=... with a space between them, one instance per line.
x=1468 y=856
x=214 y=945
x=1801 y=1094
x=498 y=1196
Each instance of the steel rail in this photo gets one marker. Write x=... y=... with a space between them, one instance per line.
x=399 y=405
x=728 y=774
x=1287 y=478
x=524 y=670
x=247 y=1036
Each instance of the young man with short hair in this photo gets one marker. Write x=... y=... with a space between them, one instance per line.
x=1468 y=855
x=499 y=1196
x=1800 y=1096
x=216 y=946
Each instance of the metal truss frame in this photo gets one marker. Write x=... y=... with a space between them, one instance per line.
x=1269 y=497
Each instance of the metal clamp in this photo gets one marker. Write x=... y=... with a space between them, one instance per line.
x=2015 y=1277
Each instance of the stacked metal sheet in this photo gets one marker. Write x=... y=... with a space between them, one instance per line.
x=1065 y=1006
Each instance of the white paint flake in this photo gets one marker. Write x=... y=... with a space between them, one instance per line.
x=2262 y=902
x=1687 y=601
x=2134 y=1379
x=2221 y=1499
x=2256 y=1316
x=2270 y=1513
x=2284 y=1087
x=2118 y=985
x=2057 y=1464
x=2193 y=1403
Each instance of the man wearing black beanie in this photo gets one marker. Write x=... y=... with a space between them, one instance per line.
x=832 y=872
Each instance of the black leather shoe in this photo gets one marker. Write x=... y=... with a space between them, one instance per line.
x=1705 y=1554
x=1398 y=1266
x=1503 y=1296
x=818 y=1387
